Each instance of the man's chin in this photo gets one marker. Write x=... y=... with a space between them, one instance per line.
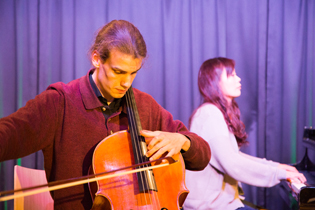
x=119 y=95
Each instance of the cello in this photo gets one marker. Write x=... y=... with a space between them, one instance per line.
x=159 y=188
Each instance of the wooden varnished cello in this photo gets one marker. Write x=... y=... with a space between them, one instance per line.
x=160 y=188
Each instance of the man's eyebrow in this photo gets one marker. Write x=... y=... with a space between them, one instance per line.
x=118 y=69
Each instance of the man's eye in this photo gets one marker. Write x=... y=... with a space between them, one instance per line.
x=117 y=72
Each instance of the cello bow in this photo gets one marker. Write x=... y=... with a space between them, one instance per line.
x=61 y=184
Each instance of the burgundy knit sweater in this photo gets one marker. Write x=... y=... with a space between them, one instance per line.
x=66 y=122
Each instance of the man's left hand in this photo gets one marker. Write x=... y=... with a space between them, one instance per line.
x=160 y=142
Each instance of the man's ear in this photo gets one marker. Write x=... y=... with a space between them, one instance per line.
x=96 y=60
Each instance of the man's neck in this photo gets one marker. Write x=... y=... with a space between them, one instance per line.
x=97 y=85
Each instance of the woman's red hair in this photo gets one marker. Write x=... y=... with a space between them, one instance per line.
x=208 y=83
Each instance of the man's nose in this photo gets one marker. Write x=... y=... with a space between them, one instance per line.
x=126 y=82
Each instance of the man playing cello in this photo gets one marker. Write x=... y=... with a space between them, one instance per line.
x=67 y=121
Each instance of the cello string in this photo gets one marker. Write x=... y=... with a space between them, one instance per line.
x=135 y=134
x=144 y=159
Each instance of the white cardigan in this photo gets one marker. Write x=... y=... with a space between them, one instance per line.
x=216 y=187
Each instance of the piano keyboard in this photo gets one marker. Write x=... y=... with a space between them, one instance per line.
x=298 y=196
x=296 y=187
x=304 y=194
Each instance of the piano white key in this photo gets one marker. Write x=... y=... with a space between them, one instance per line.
x=296 y=187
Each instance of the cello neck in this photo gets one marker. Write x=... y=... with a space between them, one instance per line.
x=132 y=110
x=138 y=143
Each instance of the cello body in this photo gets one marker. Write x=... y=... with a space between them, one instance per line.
x=122 y=192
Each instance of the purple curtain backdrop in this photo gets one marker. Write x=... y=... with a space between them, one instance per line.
x=272 y=42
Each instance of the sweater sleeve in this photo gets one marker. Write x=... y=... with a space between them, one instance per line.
x=260 y=160
x=209 y=123
x=198 y=155
x=31 y=128
x=154 y=117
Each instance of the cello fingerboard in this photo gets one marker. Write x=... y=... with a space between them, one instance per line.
x=146 y=179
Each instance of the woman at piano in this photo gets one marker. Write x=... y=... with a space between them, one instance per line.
x=217 y=120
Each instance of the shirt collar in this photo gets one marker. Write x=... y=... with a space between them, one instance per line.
x=114 y=105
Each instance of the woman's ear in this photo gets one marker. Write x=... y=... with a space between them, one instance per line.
x=96 y=61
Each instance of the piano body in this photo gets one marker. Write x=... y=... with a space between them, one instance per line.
x=302 y=196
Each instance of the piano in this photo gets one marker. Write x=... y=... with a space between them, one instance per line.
x=302 y=196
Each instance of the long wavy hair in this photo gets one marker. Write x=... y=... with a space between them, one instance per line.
x=208 y=82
